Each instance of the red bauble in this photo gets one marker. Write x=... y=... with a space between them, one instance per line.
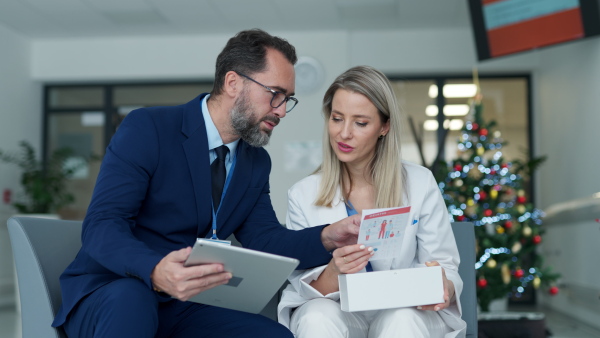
x=537 y=239
x=553 y=290
x=492 y=172
x=457 y=167
x=504 y=165
x=519 y=273
x=460 y=218
x=508 y=224
x=521 y=199
x=483 y=132
x=482 y=195
x=487 y=212
x=474 y=126
x=482 y=283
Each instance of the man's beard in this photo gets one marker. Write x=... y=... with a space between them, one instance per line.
x=245 y=124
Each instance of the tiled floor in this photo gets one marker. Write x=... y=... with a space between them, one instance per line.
x=559 y=325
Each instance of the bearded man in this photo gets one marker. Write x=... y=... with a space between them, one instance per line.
x=174 y=174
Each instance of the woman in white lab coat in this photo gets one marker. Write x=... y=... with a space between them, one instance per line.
x=362 y=169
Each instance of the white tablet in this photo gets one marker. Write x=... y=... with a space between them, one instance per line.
x=257 y=275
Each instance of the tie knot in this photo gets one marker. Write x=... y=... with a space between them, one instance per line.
x=222 y=152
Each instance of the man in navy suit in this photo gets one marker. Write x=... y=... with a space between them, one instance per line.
x=153 y=198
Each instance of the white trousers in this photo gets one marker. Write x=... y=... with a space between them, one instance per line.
x=322 y=317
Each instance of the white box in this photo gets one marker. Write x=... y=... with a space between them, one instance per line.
x=391 y=289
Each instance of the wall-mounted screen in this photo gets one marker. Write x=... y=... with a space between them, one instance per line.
x=504 y=27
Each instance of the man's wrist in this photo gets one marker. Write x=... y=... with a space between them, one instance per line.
x=327 y=244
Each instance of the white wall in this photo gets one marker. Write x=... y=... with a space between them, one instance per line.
x=567 y=92
x=161 y=58
x=20 y=119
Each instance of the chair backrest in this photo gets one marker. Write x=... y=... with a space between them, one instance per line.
x=464 y=233
x=42 y=249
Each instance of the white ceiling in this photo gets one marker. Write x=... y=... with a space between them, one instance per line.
x=90 y=18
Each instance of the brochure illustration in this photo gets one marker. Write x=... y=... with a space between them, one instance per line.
x=383 y=229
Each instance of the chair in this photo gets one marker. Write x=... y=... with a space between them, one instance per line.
x=42 y=249
x=464 y=233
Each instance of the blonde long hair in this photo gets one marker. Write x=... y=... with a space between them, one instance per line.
x=386 y=166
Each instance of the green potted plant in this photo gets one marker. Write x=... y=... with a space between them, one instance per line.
x=44 y=183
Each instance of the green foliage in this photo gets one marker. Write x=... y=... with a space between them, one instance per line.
x=480 y=186
x=44 y=184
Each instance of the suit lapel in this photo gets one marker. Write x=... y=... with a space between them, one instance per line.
x=196 y=152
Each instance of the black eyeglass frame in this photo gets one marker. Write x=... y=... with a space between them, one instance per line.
x=274 y=93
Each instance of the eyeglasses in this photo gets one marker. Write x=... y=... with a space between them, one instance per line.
x=279 y=98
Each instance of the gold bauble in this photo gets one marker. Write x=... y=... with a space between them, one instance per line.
x=491 y=263
x=472 y=210
x=536 y=282
x=516 y=247
x=470 y=202
x=499 y=229
x=526 y=231
x=521 y=192
x=480 y=151
x=458 y=183
x=521 y=208
x=493 y=194
x=505 y=271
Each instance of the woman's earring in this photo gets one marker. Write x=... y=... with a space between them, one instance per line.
x=381 y=136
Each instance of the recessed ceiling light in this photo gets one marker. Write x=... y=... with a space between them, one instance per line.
x=449 y=110
x=454 y=90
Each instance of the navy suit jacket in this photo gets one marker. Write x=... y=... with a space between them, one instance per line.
x=153 y=196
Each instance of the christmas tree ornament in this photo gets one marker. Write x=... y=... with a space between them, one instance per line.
x=505 y=273
x=499 y=229
x=460 y=218
x=521 y=209
x=458 y=167
x=480 y=151
x=491 y=263
x=521 y=193
x=519 y=273
x=493 y=194
x=553 y=290
x=508 y=224
x=488 y=212
x=537 y=239
x=483 y=132
x=458 y=183
x=521 y=199
x=516 y=247
x=536 y=282
x=526 y=231
x=482 y=282
x=470 y=202
x=482 y=195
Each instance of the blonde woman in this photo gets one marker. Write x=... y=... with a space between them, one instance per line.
x=362 y=169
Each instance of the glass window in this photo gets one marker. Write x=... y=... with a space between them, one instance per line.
x=83 y=133
x=73 y=97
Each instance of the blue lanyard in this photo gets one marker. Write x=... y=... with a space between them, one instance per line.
x=227 y=180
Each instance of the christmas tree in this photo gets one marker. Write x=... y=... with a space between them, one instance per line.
x=480 y=186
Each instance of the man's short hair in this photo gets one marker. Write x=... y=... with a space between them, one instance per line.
x=246 y=53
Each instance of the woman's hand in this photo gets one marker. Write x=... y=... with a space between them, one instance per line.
x=347 y=259
x=350 y=259
x=448 y=292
